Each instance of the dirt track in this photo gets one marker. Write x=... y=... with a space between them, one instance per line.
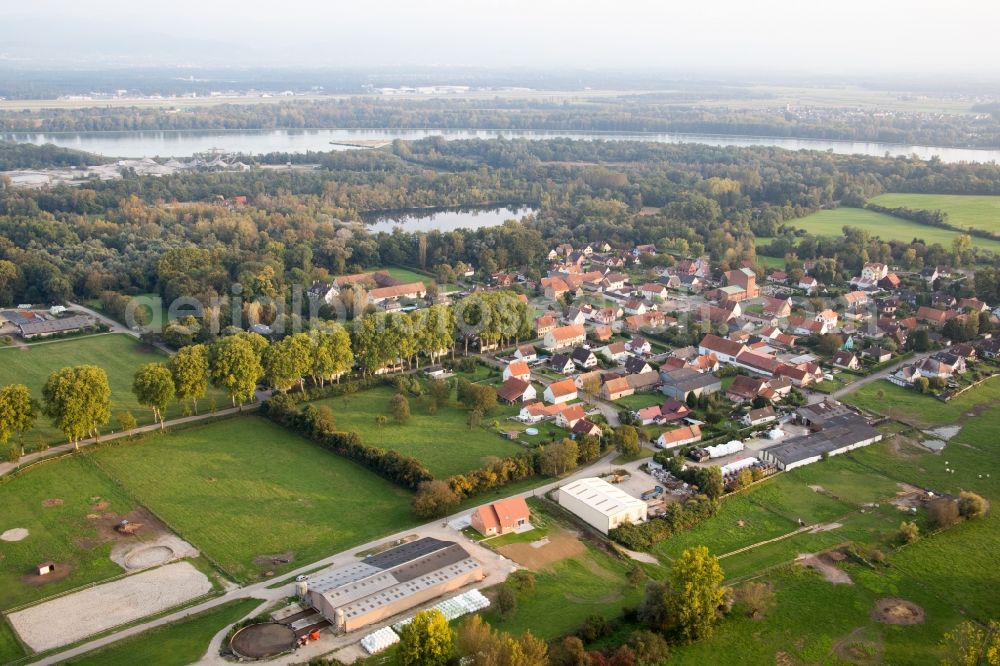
x=68 y=619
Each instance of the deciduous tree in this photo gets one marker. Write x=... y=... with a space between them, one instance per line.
x=427 y=640
x=78 y=400
x=189 y=368
x=18 y=411
x=153 y=387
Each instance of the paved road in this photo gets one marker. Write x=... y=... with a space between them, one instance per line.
x=260 y=591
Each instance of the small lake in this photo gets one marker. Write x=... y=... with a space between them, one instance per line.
x=449 y=219
x=183 y=143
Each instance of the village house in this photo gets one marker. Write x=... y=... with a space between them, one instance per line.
x=584 y=358
x=724 y=349
x=554 y=287
x=741 y=284
x=878 y=354
x=614 y=352
x=564 y=337
x=760 y=416
x=683 y=382
x=559 y=392
x=501 y=517
x=545 y=324
x=585 y=428
x=777 y=307
x=635 y=365
x=670 y=411
x=638 y=345
x=526 y=353
x=602 y=333
x=652 y=290
x=644 y=381
x=744 y=389
x=846 y=359
x=410 y=290
x=516 y=390
x=517 y=369
x=568 y=417
x=680 y=437
x=616 y=388
x=562 y=364
x=808 y=284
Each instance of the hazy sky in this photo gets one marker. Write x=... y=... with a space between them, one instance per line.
x=846 y=36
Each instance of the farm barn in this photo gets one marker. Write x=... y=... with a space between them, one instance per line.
x=600 y=504
x=391 y=582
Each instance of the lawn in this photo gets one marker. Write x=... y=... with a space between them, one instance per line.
x=964 y=211
x=407 y=275
x=888 y=227
x=442 y=441
x=176 y=644
x=884 y=397
x=118 y=354
x=770 y=263
x=638 y=401
x=245 y=488
x=57 y=531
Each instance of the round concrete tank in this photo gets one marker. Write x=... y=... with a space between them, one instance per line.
x=301 y=589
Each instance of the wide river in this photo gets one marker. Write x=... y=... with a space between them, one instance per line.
x=183 y=143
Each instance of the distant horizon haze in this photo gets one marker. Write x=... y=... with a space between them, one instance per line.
x=887 y=37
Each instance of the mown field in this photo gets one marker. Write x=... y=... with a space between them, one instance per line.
x=952 y=574
x=118 y=354
x=886 y=227
x=244 y=488
x=53 y=501
x=176 y=644
x=442 y=441
x=965 y=211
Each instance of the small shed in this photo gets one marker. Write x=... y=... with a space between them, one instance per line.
x=45 y=568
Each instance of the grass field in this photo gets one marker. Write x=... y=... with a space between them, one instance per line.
x=964 y=211
x=119 y=355
x=886 y=227
x=442 y=441
x=58 y=532
x=10 y=648
x=176 y=644
x=244 y=488
x=884 y=397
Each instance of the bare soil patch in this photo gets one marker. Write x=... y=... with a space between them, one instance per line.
x=274 y=560
x=891 y=610
x=855 y=648
x=559 y=545
x=824 y=564
x=34 y=580
x=52 y=501
x=15 y=534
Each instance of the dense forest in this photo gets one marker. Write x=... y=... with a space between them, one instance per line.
x=29 y=156
x=627 y=113
x=171 y=234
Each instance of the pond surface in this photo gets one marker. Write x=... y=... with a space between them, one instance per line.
x=445 y=219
